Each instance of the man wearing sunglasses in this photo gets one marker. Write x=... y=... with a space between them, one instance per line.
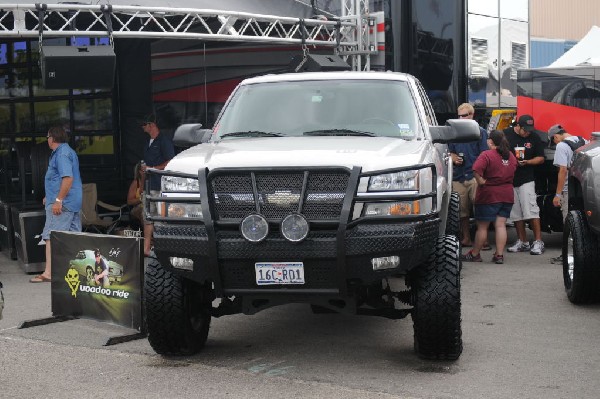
x=463 y=182
x=530 y=154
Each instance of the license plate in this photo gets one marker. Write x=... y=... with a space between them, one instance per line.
x=270 y=273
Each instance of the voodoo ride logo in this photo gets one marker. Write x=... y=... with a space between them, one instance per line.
x=74 y=282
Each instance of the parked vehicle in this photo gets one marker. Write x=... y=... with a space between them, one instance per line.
x=581 y=237
x=320 y=188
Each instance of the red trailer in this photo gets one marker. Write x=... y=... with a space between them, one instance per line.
x=569 y=96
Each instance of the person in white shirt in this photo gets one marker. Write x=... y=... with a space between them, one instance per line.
x=566 y=144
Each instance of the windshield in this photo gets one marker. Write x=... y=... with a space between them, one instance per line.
x=321 y=108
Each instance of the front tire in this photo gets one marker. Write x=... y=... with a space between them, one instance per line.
x=453 y=219
x=581 y=271
x=436 y=310
x=177 y=311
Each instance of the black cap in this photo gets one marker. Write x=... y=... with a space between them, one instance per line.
x=148 y=118
x=526 y=122
x=97 y=252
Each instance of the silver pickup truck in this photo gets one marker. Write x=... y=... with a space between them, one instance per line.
x=581 y=235
x=331 y=189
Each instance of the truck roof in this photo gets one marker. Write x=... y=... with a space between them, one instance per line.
x=342 y=75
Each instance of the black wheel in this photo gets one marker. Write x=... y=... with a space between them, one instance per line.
x=89 y=275
x=453 y=220
x=177 y=311
x=436 y=302
x=581 y=268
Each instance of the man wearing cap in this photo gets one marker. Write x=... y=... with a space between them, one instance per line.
x=566 y=144
x=529 y=153
x=157 y=154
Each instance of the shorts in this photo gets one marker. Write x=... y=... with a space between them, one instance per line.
x=66 y=221
x=152 y=206
x=489 y=212
x=466 y=190
x=525 y=206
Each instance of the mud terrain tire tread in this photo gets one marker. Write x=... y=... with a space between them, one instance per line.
x=585 y=285
x=177 y=321
x=453 y=221
x=436 y=303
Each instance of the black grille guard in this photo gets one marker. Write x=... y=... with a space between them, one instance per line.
x=351 y=198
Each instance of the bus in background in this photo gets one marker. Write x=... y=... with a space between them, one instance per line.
x=569 y=96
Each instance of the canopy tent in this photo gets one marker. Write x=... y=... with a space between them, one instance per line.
x=586 y=52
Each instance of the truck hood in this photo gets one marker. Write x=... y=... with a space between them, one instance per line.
x=371 y=153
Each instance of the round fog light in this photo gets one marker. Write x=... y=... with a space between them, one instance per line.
x=254 y=228
x=294 y=227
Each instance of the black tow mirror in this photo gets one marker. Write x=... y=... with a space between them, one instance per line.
x=190 y=134
x=456 y=131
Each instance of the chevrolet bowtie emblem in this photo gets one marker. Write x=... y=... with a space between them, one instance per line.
x=283 y=198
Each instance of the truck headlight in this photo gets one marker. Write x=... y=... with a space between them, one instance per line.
x=175 y=183
x=397 y=181
x=392 y=208
x=179 y=210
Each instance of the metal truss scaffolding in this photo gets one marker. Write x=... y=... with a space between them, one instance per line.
x=350 y=34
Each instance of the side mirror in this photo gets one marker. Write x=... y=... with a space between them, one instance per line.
x=190 y=134
x=456 y=131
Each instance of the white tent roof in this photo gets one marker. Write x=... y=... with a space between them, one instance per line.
x=586 y=52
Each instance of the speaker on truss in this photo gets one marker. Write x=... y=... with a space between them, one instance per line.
x=77 y=67
x=318 y=63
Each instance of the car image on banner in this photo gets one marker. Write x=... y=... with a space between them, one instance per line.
x=84 y=263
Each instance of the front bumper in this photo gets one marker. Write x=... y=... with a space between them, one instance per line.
x=412 y=242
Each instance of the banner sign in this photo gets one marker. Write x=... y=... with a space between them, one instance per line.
x=97 y=276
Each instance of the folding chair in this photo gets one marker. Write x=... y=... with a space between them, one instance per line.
x=91 y=219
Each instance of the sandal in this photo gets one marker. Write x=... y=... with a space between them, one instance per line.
x=40 y=279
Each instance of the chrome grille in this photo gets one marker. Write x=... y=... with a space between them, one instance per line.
x=279 y=194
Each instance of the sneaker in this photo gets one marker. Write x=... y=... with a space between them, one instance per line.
x=469 y=257
x=537 y=248
x=498 y=259
x=519 y=246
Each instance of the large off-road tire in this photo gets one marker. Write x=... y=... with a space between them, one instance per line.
x=453 y=220
x=581 y=260
x=436 y=313
x=177 y=312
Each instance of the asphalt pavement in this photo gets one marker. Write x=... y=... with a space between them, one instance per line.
x=522 y=339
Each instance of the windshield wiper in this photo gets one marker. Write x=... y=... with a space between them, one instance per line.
x=338 y=132
x=251 y=133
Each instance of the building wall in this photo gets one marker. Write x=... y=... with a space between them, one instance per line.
x=560 y=19
x=546 y=51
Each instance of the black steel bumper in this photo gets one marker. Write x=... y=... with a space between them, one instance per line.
x=412 y=242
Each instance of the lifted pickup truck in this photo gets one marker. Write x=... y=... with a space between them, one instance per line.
x=324 y=188
x=581 y=236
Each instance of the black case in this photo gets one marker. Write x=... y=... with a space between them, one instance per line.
x=77 y=67
x=28 y=224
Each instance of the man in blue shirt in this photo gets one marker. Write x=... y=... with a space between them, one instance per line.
x=463 y=182
x=157 y=155
x=63 y=193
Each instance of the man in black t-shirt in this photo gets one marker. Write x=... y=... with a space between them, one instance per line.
x=529 y=150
